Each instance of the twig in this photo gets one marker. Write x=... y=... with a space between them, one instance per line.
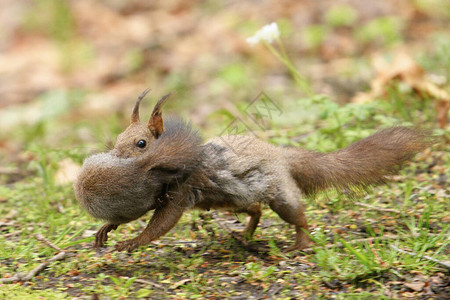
x=9 y=171
x=145 y=282
x=441 y=263
x=41 y=238
x=26 y=277
x=35 y=271
x=180 y=283
x=6 y=224
x=379 y=208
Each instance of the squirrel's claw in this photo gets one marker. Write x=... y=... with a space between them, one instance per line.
x=128 y=245
x=102 y=234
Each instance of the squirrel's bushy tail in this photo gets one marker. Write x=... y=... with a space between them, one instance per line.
x=362 y=163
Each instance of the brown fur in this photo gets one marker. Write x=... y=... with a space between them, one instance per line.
x=364 y=162
x=175 y=172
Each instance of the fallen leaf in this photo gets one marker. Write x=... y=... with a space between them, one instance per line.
x=415 y=286
x=73 y=272
x=180 y=283
x=88 y=233
x=406 y=70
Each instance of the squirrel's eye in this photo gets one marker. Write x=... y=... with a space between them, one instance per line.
x=141 y=144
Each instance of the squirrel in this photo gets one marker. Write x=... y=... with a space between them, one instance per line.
x=164 y=166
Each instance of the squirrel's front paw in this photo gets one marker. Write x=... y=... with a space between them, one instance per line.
x=128 y=245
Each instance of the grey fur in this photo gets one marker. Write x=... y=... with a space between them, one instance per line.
x=176 y=172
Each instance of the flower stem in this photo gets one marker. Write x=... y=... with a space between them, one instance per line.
x=301 y=81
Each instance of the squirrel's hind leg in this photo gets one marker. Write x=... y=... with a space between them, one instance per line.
x=254 y=211
x=293 y=212
x=102 y=234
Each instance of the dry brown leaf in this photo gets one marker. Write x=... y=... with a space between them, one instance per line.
x=180 y=283
x=406 y=70
x=415 y=286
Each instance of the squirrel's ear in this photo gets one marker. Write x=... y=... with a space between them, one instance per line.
x=155 y=124
x=135 y=113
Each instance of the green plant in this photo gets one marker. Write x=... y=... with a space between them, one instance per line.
x=314 y=35
x=341 y=15
x=256 y=271
x=383 y=30
x=17 y=291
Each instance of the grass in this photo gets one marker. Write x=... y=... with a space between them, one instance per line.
x=198 y=258
x=353 y=257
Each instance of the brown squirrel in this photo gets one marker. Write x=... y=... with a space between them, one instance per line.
x=168 y=169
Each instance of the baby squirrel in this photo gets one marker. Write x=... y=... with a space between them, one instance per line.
x=167 y=168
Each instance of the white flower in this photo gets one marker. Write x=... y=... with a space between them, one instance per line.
x=267 y=34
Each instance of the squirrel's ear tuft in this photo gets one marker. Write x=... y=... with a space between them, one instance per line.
x=135 y=113
x=156 y=124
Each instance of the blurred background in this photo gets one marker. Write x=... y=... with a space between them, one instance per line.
x=70 y=71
